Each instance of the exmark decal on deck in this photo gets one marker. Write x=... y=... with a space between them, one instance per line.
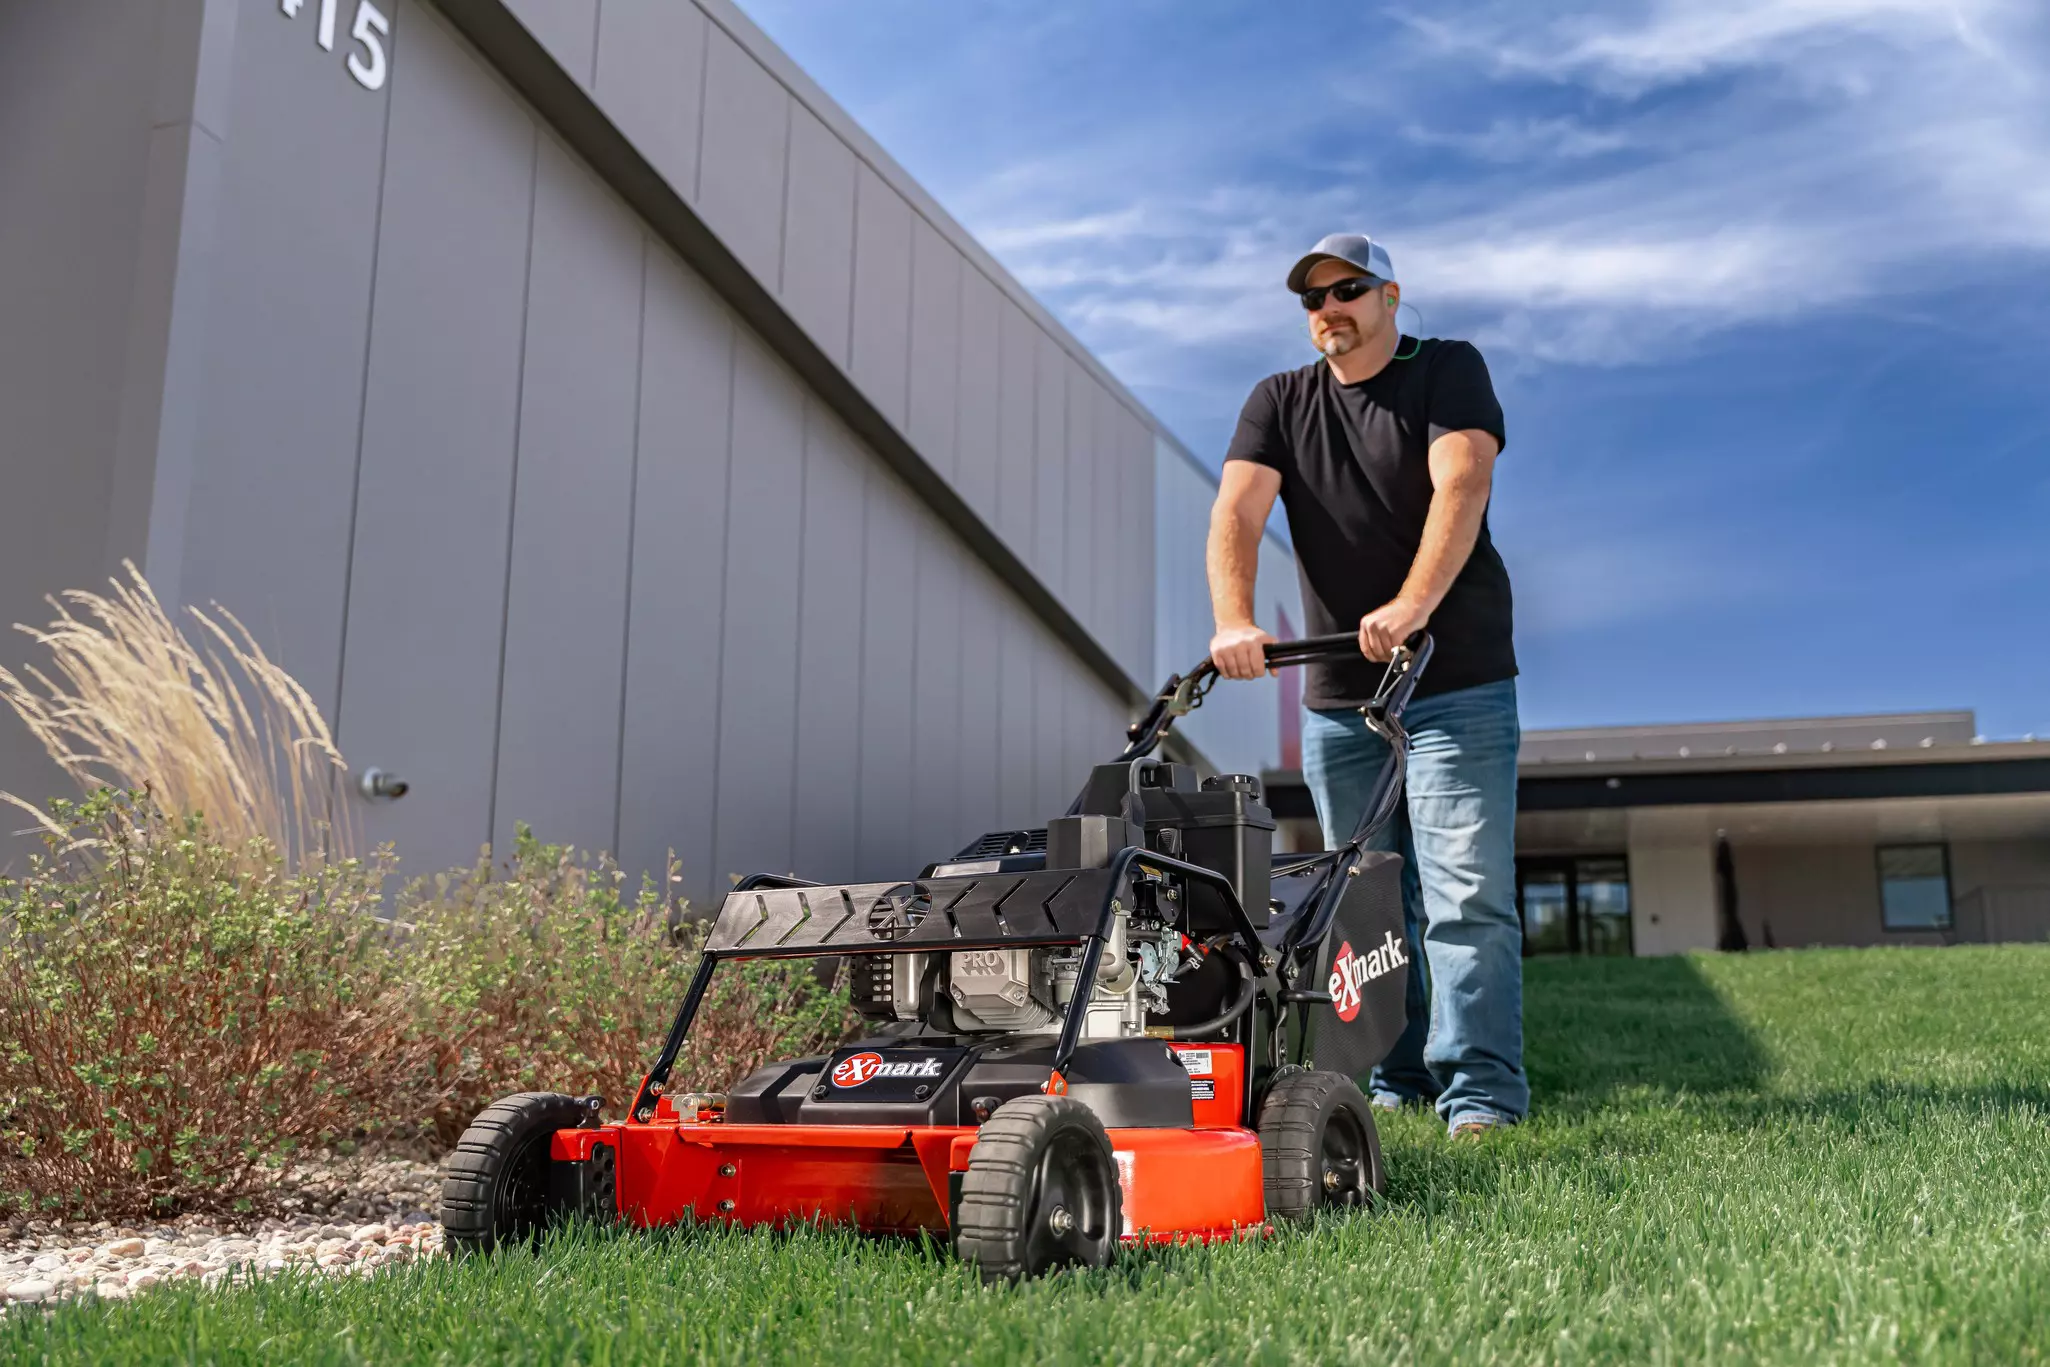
x=857 y=1070
x=1351 y=971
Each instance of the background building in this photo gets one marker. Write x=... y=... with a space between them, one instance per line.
x=612 y=437
x=1822 y=831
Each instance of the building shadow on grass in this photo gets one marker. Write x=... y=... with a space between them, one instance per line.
x=1888 y=1104
x=1594 y=1028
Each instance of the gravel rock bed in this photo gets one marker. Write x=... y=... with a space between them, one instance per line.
x=338 y=1216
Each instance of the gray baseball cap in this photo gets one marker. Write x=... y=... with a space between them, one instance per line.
x=1354 y=249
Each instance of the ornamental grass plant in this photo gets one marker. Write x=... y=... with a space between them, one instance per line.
x=212 y=727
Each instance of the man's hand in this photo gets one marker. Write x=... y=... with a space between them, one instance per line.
x=1388 y=626
x=1238 y=651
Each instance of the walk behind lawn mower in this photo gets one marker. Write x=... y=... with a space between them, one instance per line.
x=1137 y=1024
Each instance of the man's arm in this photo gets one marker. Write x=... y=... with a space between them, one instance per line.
x=1245 y=496
x=1462 y=473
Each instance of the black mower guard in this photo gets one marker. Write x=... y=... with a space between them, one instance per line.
x=769 y=916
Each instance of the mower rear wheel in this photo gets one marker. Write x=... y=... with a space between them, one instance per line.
x=1041 y=1191
x=496 y=1191
x=1318 y=1146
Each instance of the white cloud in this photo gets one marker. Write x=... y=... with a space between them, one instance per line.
x=1510 y=141
x=1681 y=39
x=1853 y=145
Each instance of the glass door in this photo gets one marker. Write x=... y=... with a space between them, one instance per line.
x=1545 y=896
x=1574 y=904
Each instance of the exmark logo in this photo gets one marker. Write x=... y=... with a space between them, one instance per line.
x=1351 y=971
x=857 y=1070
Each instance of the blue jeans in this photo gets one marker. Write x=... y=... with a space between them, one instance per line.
x=1456 y=833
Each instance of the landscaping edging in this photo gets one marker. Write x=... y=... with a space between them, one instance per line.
x=337 y=1216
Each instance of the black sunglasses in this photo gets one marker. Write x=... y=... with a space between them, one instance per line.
x=1345 y=291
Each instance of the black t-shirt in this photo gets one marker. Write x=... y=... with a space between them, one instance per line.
x=1356 y=482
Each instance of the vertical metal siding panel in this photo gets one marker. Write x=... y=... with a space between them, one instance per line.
x=888 y=640
x=1142 y=472
x=758 y=643
x=1114 y=586
x=427 y=583
x=977 y=414
x=981 y=663
x=670 y=761
x=91 y=223
x=1085 y=730
x=1140 y=601
x=1017 y=714
x=1082 y=458
x=1017 y=493
x=651 y=63
x=881 y=345
x=936 y=680
x=281 y=400
x=818 y=233
x=836 y=472
x=741 y=167
x=935 y=351
x=558 y=733
x=1084 y=737
x=567 y=28
x=1050 y=729
x=1050 y=463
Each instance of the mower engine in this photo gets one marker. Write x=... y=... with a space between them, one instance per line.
x=1164 y=939
x=1021 y=991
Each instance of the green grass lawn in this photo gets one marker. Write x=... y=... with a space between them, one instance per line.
x=1796 y=1156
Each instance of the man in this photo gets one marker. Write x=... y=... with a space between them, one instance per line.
x=1383 y=455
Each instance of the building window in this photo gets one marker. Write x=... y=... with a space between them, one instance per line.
x=1574 y=905
x=1914 y=887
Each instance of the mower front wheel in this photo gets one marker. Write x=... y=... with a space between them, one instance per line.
x=1318 y=1146
x=1041 y=1191
x=496 y=1190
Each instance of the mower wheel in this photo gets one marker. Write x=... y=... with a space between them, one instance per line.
x=496 y=1191
x=1318 y=1146
x=1041 y=1190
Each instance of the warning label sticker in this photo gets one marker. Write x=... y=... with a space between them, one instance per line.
x=1202 y=1089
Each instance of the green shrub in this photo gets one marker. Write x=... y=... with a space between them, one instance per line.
x=542 y=976
x=176 y=1014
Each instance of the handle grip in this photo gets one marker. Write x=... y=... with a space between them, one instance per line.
x=1312 y=649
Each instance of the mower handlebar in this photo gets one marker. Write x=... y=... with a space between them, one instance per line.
x=1312 y=649
x=1184 y=692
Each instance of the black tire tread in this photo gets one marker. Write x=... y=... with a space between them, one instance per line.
x=996 y=1191
x=475 y=1166
x=1292 y=1139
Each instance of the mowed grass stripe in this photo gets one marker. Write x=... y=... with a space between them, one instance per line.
x=1834 y=1156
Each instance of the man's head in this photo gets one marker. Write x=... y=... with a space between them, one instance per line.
x=1346 y=284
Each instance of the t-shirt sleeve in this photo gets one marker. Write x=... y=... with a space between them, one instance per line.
x=1259 y=436
x=1462 y=397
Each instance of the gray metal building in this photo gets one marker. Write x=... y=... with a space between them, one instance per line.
x=604 y=429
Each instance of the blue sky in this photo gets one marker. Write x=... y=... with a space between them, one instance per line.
x=1765 y=286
